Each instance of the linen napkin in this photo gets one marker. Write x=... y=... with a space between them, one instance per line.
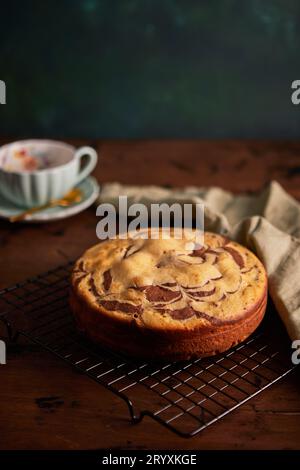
x=268 y=223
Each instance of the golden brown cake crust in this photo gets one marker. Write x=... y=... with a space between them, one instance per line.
x=156 y=299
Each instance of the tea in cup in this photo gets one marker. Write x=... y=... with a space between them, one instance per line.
x=35 y=172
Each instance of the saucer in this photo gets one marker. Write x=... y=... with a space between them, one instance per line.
x=90 y=191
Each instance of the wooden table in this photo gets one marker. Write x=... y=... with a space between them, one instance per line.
x=84 y=415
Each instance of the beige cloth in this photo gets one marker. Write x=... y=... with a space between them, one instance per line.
x=267 y=223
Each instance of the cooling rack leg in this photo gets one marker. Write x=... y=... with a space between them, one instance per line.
x=135 y=416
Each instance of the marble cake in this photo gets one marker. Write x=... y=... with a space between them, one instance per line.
x=156 y=299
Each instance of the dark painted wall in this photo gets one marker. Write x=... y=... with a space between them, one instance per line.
x=142 y=68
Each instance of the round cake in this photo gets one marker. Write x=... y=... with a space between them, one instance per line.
x=154 y=298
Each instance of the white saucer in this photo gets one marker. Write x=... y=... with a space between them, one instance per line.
x=90 y=190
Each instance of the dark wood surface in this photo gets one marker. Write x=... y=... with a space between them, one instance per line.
x=80 y=414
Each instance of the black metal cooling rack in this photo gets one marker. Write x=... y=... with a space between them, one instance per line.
x=186 y=397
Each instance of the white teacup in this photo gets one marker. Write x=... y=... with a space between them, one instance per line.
x=34 y=172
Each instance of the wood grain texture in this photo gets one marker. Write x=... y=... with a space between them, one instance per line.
x=44 y=404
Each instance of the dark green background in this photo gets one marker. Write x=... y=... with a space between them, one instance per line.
x=160 y=68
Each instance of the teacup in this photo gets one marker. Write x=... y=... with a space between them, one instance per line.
x=34 y=172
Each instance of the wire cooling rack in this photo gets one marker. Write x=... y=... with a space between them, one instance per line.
x=186 y=397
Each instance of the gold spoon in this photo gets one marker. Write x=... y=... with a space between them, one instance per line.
x=73 y=196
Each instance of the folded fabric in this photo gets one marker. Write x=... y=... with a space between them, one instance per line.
x=268 y=223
